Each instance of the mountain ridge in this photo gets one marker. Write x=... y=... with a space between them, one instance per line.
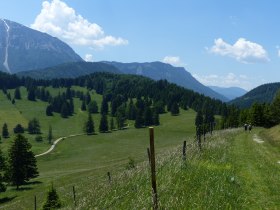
x=69 y=70
x=158 y=70
x=23 y=48
x=262 y=94
x=229 y=92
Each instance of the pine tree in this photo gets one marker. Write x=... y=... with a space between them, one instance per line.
x=148 y=117
x=104 y=106
x=71 y=106
x=50 y=135
x=93 y=107
x=31 y=94
x=103 y=125
x=64 y=110
x=89 y=125
x=52 y=201
x=138 y=120
x=83 y=106
x=17 y=94
x=2 y=168
x=21 y=162
x=18 y=129
x=120 y=116
x=5 y=132
x=155 y=118
x=112 y=124
x=34 y=126
x=174 y=109
x=49 y=110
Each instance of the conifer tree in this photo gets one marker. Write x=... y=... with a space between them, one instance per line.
x=21 y=162
x=148 y=117
x=49 y=110
x=174 y=109
x=50 y=135
x=18 y=129
x=112 y=124
x=93 y=107
x=64 y=110
x=155 y=118
x=104 y=106
x=31 y=94
x=53 y=201
x=89 y=125
x=83 y=107
x=2 y=168
x=34 y=126
x=5 y=132
x=17 y=94
x=103 y=125
x=138 y=120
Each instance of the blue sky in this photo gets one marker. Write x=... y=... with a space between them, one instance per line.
x=222 y=43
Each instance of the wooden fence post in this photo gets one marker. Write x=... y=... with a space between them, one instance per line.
x=74 y=196
x=153 y=168
x=109 y=177
x=184 y=150
x=35 y=202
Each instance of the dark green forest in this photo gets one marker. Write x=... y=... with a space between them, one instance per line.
x=138 y=98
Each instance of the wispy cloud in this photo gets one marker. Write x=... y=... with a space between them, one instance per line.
x=242 y=50
x=228 y=80
x=62 y=21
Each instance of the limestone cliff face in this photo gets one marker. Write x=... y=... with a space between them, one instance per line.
x=22 y=48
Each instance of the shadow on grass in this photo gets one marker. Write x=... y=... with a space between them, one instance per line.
x=33 y=183
x=27 y=186
x=7 y=199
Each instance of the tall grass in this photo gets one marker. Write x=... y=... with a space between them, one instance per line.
x=206 y=180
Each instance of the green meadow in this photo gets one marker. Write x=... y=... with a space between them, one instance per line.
x=233 y=171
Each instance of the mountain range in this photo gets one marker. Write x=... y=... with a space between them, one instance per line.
x=28 y=52
x=69 y=70
x=22 y=48
x=229 y=92
x=159 y=70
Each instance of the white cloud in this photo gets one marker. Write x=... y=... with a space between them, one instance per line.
x=88 y=58
x=173 y=60
x=242 y=50
x=228 y=80
x=60 y=20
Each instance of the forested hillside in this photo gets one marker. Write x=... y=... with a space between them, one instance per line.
x=261 y=94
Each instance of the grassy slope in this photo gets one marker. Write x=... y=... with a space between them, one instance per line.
x=91 y=156
x=232 y=172
x=257 y=167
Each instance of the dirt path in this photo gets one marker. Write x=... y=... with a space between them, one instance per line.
x=257 y=169
x=56 y=142
x=257 y=139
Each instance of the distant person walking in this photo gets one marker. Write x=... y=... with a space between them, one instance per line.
x=250 y=128
x=245 y=127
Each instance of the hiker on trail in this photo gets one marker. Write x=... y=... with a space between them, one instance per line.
x=250 y=128
x=245 y=127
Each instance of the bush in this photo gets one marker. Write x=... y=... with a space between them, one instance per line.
x=38 y=138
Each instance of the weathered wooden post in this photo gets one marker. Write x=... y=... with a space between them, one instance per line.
x=153 y=168
x=184 y=150
x=74 y=196
x=35 y=202
x=109 y=177
x=149 y=155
